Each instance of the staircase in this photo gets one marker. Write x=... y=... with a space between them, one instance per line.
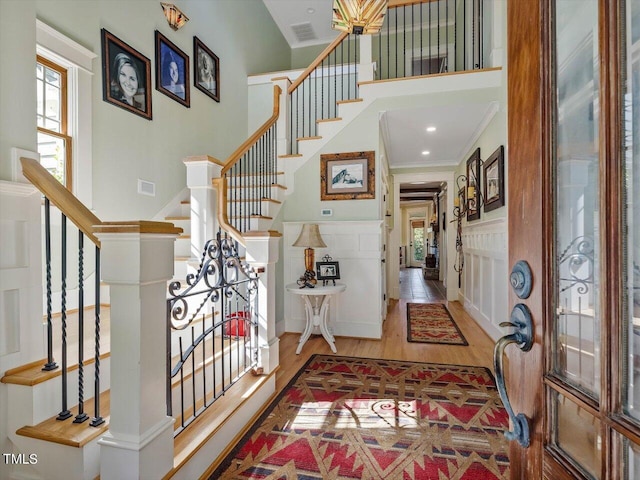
x=250 y=187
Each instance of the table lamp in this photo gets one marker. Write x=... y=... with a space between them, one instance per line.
x=310 y=238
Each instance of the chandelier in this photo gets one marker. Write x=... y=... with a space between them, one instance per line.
x=358 y=16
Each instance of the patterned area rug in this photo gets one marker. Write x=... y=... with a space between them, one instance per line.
x=351 y=418
x=432 y=323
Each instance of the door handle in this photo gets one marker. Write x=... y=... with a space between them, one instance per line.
x=523 y=337
x=383 y=261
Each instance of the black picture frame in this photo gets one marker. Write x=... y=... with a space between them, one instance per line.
x=206 y=70
x=327 y=271
x=126 y=76
x=494 y=195
x=172 y=70
x=473 y=182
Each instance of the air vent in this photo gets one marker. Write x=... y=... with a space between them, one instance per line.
x=303 y=31
x=146 y=188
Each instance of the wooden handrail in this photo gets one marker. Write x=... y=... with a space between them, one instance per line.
x=325 y=53
x=62 y=198
x=242 y=149
x=220 y=184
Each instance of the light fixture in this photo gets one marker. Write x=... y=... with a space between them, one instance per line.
x=426 y=152
x=431 y=129
x=358 y=16
x=175 y=17
x=310 y=238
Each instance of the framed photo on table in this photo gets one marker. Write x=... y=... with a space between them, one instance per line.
x=126 y=76
x=326 y=271
x=172 y=70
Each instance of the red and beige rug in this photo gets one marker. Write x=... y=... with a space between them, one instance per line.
x=352 y=418
x=432 y=323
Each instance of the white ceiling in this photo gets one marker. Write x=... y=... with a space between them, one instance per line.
x=457 y=125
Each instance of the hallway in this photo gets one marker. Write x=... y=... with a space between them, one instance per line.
x=413 y=287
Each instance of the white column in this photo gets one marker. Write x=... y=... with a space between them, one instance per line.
x=137 y=262
x=282 y=124
x=262 y=254
x=204 y=201
x=365 y=66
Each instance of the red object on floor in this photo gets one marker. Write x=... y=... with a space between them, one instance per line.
x=237 y=324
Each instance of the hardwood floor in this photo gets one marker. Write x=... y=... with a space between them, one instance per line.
x=394 y=344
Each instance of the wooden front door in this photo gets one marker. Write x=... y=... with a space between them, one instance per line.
x=574 y=217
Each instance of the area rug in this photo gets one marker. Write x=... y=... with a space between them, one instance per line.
x=358 y=418
x=432 y=323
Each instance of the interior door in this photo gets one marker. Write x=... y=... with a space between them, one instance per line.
x=416 y=243
x=574 y=180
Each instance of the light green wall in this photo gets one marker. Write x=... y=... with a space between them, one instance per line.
x=303 y=56
x=125 y=146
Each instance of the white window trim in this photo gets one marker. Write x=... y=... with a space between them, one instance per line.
x=78 y=61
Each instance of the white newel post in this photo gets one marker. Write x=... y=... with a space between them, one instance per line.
x=282 y=124
x=137 y=262
x=262 y=254
x=365 y=66
x=204 y=201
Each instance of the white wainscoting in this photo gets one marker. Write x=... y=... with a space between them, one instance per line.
x=357 y=246
x=21 y=331
x=485 y=277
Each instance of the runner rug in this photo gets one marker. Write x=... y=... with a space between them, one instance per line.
x=348 y=418
x=432 y=323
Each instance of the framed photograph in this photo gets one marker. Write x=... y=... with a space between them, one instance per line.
x=494 y=180
x=172 y=70
x=327 y=270
x=347 y=176
x=473 y=186
x=126 y=76
x=206 y=70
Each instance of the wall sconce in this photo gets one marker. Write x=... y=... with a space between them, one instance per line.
x=310 y=238
x=175 y=17
x=359 y=16
x=470 y=204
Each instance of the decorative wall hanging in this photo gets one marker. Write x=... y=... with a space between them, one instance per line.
x=206 y=70
x=494 y=180
x=126 y=76
x=172 y=70
x=473 y=186
x=347 y=176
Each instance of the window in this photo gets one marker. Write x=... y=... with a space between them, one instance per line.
x=54 y=143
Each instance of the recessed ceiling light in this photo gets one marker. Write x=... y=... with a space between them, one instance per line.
x=426 y=152
x=431 y=129
x=311 y=11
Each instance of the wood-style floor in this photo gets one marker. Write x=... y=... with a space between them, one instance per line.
x=394 y=344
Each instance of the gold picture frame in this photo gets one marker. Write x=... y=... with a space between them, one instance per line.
x=347 y=176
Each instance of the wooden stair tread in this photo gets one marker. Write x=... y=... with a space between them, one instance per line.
x=181 y=258
x=244 y=200
x=32 y=374
x=176 y=217
x=184 y=236
x=214 y=418
x=303 y=139
x=185 y=202
x=352 y=100
x=66 y=432
x=325 y=120
x=290 y=155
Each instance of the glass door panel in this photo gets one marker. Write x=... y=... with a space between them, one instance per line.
x=631 y=147
x=577 y=434
x=576 y=346
x=417 y=243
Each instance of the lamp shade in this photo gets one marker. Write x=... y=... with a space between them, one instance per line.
x=310 y=237
x=359 y=16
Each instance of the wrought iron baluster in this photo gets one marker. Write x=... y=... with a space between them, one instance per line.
x=97 y=419
x=81 y=416
x=51 y=364
x=64 y=413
